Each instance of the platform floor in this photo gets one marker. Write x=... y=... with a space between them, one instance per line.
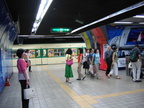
x=53 y=92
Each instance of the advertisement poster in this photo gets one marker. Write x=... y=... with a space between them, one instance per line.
x=124 y=36
x=32 y=53
x=121 y=62
x=50 y=52
x=74 y=51
x=136 y=35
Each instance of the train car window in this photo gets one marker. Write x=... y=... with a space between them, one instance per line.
x=58 y=52
x=14 y=54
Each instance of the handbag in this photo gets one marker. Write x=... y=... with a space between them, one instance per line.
x=29 y=93
x=83 y=60
x=129 y=65
x=69 y=62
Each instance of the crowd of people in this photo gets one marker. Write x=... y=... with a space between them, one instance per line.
x=90 y=61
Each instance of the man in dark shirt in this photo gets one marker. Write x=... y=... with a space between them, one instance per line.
x=108 y=59
x=136 y=66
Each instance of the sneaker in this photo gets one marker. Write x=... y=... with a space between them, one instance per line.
x=90 y=73
x=83 y=78
x=138 y=80
x=78 y=79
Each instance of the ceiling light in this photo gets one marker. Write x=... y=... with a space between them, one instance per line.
x=111 y=15
x=44 y=5
x=141 y=22
x=79 y=21
x=139 y=16
x=123 y=22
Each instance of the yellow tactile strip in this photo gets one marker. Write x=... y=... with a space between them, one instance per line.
x=118 y=94
x=85 y=101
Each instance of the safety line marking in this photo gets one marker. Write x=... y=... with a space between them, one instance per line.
x=118 y=94
x=84 y=101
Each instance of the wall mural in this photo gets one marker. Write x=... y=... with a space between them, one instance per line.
x=122 y=36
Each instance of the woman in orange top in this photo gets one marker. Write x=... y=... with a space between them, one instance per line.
x=80 y=57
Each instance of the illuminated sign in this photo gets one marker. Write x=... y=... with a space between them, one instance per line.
x=60 y=30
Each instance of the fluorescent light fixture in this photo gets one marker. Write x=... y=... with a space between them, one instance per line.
x=111 y=15
x=44 y=5
x=141 y=22
x=139 y=16
x=79 y=21
x=120 y=22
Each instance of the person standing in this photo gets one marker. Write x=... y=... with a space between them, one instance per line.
x=68 y=68
x=108 y=59
x=136 y=65
x=23 y=76
x=96 y=61
x=80 y=57
x=86 y=63
x=114 y=67
x=91 y=63
x=27 y=53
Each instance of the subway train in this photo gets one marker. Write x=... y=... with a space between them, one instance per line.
x=47 y=53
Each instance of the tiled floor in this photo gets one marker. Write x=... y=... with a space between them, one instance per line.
x=53 y=92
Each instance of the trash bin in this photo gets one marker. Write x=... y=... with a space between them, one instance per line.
x=127 y=63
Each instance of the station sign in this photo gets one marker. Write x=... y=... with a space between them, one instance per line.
x=60 y=30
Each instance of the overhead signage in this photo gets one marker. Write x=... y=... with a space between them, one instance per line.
x=60 y=30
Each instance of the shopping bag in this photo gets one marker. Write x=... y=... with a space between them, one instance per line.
x=69 y=62
x=29 y=93
x=129 y=65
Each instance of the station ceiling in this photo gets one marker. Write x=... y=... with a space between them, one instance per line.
x=69 y=14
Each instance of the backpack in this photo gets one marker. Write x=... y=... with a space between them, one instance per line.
x=133 y=56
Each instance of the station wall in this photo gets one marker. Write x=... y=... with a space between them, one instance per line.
x=7 y=37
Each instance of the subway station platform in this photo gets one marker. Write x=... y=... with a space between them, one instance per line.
x=53 y=92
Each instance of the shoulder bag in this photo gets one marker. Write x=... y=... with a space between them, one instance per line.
x=69 y=62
